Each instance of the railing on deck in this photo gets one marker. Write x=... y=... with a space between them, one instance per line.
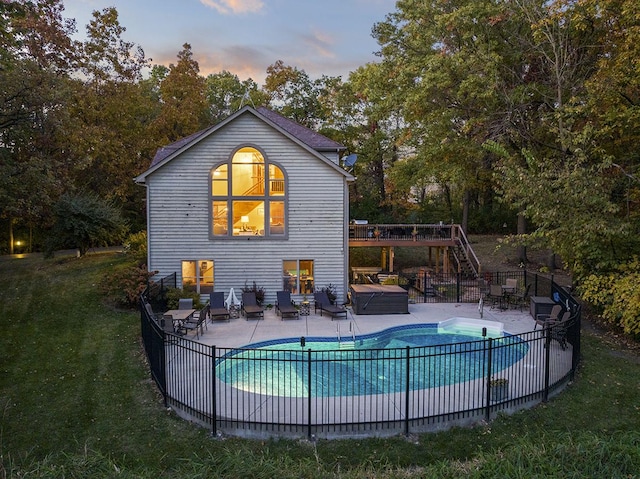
x=404 y=232
x=420 y=234
x=206 y=383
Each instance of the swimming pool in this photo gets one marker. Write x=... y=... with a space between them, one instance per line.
x=410 y=357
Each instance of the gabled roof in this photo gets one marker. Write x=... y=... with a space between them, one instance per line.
x=311 y=140
x=165 y=151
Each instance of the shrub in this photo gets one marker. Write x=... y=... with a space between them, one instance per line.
x=123 y=287
x=259 y=291
x=330 y=290
x=84 y=221
x=136 y=246
x=617 y=296
x=173 y=296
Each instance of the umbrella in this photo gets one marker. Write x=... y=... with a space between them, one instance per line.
x=232 y=299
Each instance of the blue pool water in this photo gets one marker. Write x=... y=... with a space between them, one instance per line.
x=378 y=363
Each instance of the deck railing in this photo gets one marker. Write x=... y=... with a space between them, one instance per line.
x=315 y=397
x=437 y=234
x=404 y=232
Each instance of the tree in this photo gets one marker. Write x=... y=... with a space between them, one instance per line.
x=226 y=94
x=110 y=113
x=447 y=61
x=183 y=97
x=293 y=94
x=373 y=131
x=84 y=221
x=36 y=59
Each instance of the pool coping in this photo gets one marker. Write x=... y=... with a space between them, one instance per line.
x=240 y=332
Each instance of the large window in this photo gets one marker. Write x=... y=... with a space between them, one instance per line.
x=297 y=276
x=248 y=197
x=198 y=276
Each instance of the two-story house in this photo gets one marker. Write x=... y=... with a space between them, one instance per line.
x=256 y=197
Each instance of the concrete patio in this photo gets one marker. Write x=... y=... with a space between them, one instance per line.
x=240 y=332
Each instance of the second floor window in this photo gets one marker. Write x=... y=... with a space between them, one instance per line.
x=248 y=196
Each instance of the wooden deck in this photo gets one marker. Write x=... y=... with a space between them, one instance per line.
x=450 y=242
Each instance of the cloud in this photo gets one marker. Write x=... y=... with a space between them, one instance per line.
x=321 y=43
x=227 y=7
x=245 y=62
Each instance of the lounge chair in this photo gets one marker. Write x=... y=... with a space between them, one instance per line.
x=285 y=307
x=323 y=304
x=554 y=315
x=217 y=309
x=250 y=307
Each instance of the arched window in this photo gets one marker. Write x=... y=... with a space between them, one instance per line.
x=248 y=197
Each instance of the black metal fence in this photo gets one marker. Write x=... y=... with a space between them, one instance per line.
x=157 y=290
x=425 y=286
x=345 y=393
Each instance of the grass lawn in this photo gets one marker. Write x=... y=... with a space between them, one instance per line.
x=76 y=400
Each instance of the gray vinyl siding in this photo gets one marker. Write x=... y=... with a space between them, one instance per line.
x=179 y=226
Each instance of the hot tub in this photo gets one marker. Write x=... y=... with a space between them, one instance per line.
x=379 y=299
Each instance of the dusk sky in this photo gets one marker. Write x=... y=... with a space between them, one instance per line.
x=321 y=37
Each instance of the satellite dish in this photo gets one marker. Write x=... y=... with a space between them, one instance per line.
x=349 y=160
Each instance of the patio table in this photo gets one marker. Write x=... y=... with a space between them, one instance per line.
x=180 y=316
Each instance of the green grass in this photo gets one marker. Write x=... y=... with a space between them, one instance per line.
x=76 y=400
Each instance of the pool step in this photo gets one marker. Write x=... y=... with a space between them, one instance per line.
x=347 y=345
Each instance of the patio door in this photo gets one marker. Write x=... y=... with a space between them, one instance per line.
x=197 y=275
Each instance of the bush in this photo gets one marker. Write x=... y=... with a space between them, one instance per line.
x=617 y=296
x=84 y=221
x=123 y=287
x=136 y=246
x=259 y=291
x=174 y=295
x=330 y=290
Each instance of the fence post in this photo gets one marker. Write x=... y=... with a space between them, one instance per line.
x=407 y=388
x=458 y=279
x=309 y=396
x=487 y=414
x=214 y=392
x=547 y=366
x=424 y=286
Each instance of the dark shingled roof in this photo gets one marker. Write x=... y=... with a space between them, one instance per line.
x=165 y=151
x=307 y=136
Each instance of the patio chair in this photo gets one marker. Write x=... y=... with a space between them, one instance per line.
x=196 y=323
x=554 y=315
x=217 y=309
x=169 y=326
x=151 y=313
x=185 y=303
x=483 y=287
x=250 y=307
x=496 y=296
x=285 y=307
x=521 y=297
x=558 y=329
x=323 y=304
